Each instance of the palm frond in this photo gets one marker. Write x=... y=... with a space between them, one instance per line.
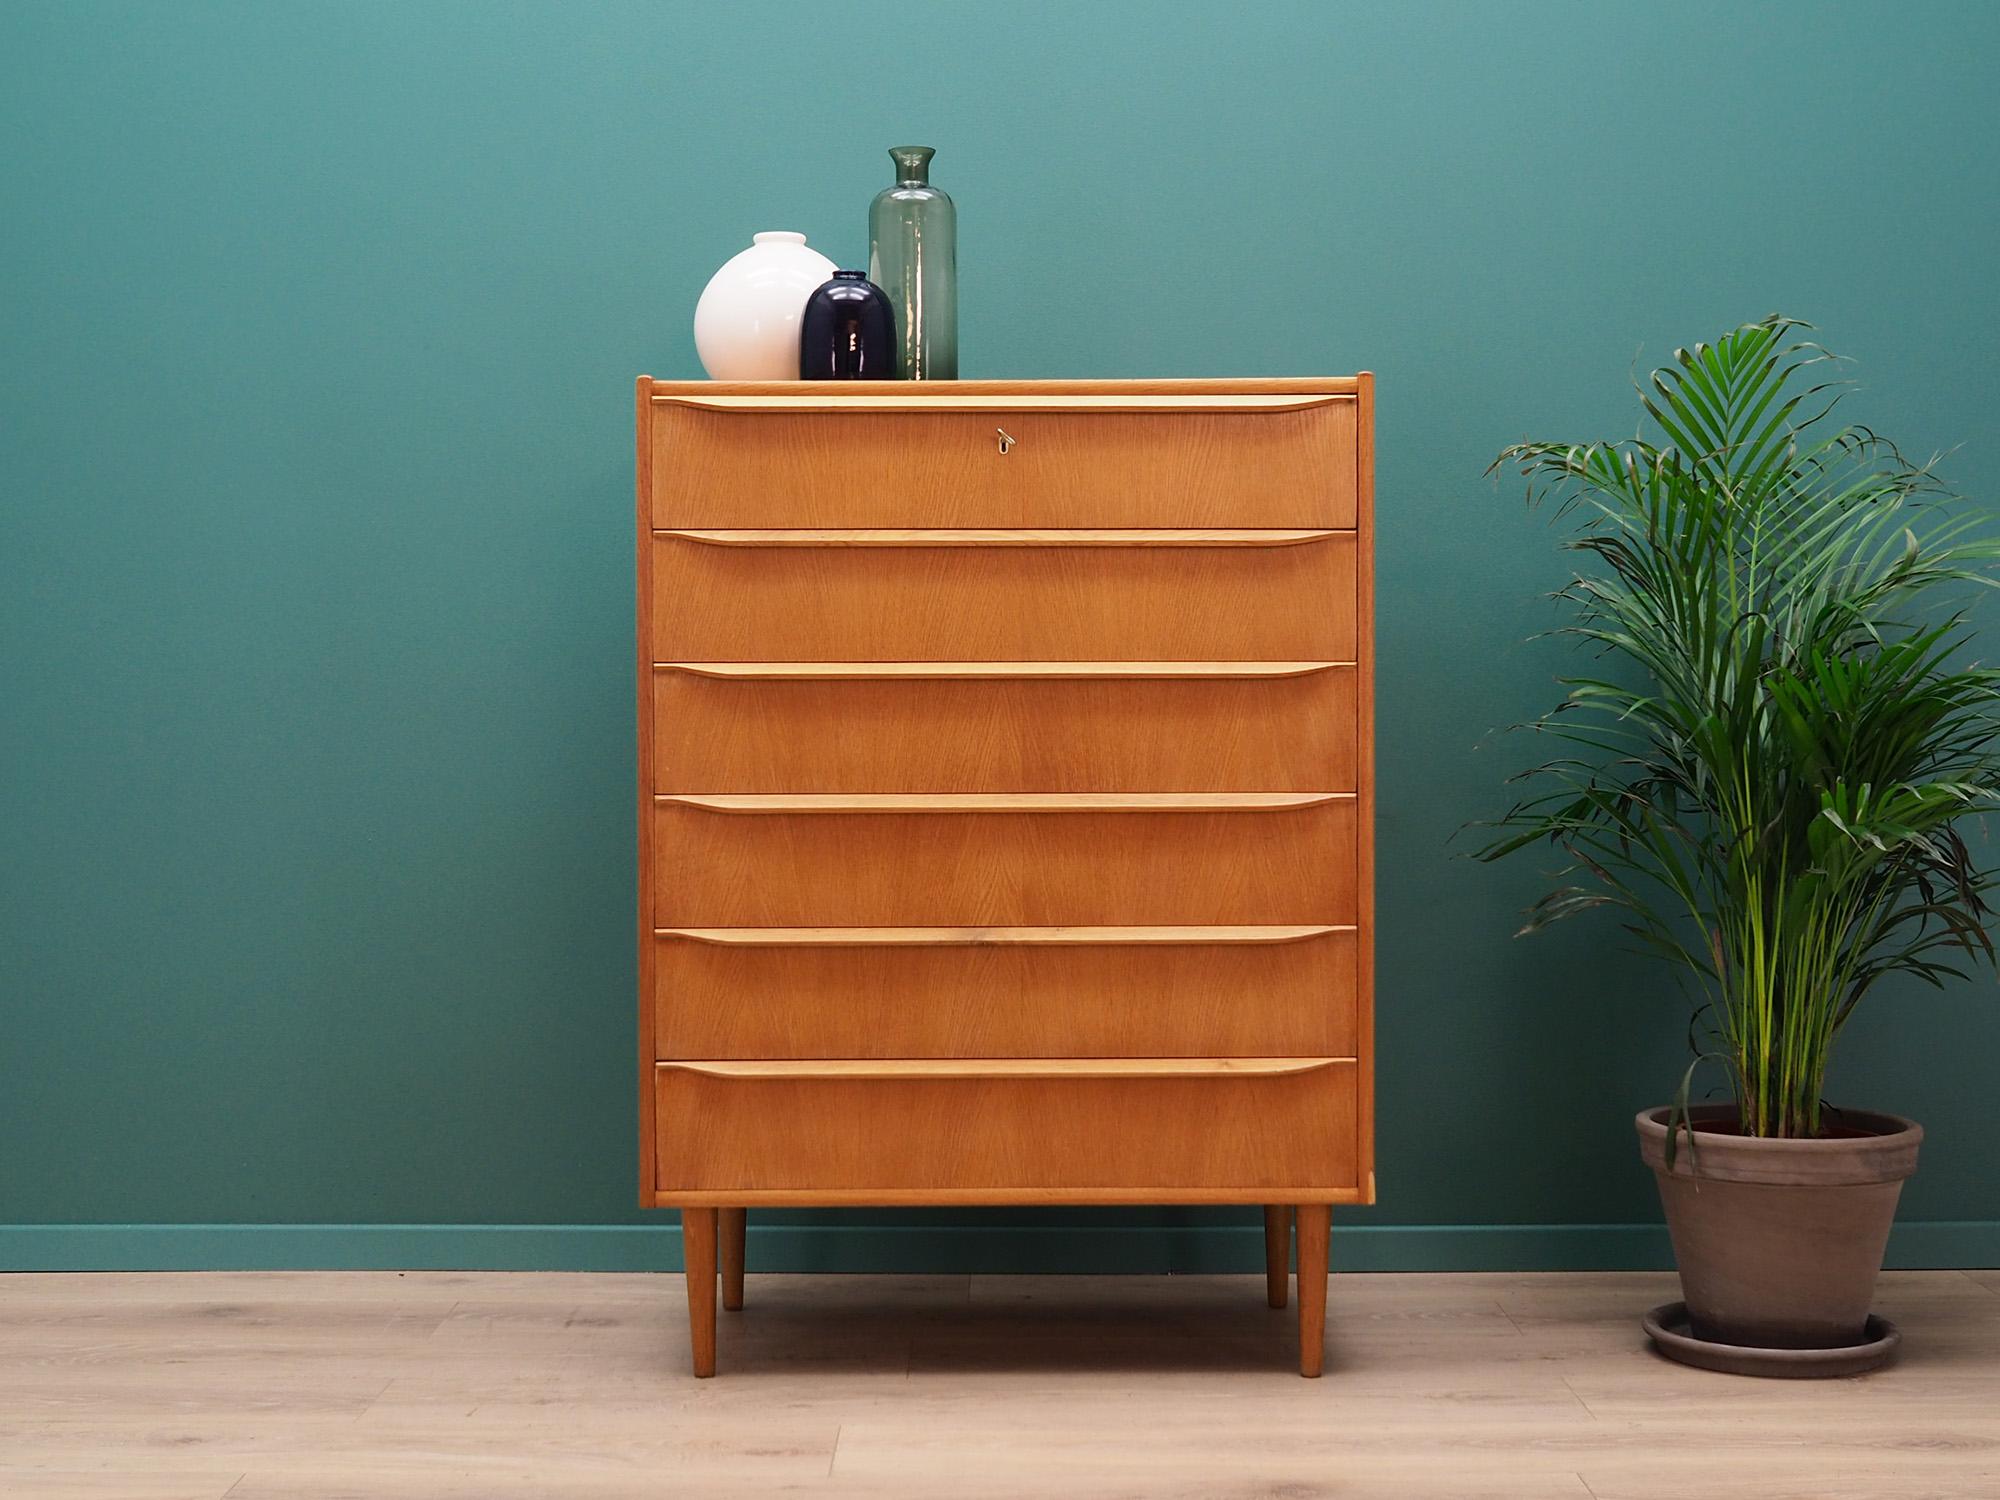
x=1779 y=734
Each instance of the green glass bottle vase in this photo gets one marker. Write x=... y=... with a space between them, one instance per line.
x=913 y=256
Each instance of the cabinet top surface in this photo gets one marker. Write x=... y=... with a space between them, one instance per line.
x=1315 y=385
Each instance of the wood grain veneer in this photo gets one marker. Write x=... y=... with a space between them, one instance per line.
x=1006 y=802
x=1011 y=727
x=848 y=599
x=1070 y=464
x=1011 y=1130
x=1005 y=868
x=1006 y=992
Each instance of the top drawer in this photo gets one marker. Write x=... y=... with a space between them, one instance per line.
x=954 y=455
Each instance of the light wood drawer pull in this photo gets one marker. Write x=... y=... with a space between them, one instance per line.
x=998 y=537
x=912 y=1069
x=999 y=802
x=998 y=671
x=990 y=937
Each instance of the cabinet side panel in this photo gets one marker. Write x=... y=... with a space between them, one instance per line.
x=642 y=566
x=1364 y=450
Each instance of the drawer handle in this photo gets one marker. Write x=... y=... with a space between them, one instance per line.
x=1000 y=802
x=994 y=671
x=997 y=537
x=950 y=401
x=912 y=1069
x=991 y=937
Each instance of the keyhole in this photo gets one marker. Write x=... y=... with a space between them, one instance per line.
x=1006 y=439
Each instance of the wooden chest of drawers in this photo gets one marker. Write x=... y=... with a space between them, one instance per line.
x=1005 y=803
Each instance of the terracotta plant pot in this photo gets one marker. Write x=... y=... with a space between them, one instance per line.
x=1779 y=1241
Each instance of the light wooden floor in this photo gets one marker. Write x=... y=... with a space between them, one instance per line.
x=497 y=1387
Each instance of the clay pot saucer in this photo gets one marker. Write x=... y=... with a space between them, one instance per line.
x=1667 y=1326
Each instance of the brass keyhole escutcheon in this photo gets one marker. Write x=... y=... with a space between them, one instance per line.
x=1006 y=438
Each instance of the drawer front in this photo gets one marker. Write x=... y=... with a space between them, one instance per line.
x=986 y=596
x=1283 y=465
x=1010 y=727
x=1026 y=992
x=1034 y=861
x=1197 y=1124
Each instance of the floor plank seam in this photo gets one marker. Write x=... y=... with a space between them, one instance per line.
x=373 y=1402
x=449 y=1313
x=1580 y=1402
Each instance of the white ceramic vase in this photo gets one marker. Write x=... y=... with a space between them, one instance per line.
x=746 y=326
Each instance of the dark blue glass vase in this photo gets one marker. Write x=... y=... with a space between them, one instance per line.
x=848 y=331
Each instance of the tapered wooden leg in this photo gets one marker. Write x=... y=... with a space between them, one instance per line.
x=730 y=1228
x=1277 y=1252
x=698 y=1251
x=1314 y=1222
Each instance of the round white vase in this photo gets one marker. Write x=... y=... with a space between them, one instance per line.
x=746 y=326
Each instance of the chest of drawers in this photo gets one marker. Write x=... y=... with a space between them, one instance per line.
x=1005 y=803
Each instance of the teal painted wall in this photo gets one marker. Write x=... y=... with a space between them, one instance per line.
x=315 y=553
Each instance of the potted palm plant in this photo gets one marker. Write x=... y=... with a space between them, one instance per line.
x=1765 y=773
